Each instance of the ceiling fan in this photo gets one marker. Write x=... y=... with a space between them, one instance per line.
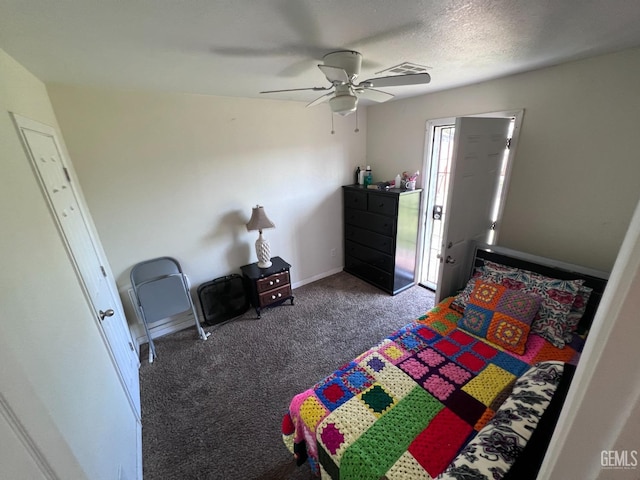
x=342 y=69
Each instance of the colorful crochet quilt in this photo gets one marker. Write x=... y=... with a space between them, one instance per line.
x=408 y=406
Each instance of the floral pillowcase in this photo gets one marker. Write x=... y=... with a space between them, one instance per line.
x=577 y=311
x=462 y=299
x=558 y=296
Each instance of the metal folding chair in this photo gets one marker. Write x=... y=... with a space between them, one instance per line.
x=161 y=290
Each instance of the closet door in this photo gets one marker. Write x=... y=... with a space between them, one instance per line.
x=46 y=156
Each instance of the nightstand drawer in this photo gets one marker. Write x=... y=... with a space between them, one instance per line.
x=272 y=281
x=276 y=295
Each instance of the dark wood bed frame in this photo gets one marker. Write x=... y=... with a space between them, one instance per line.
x=530 y=459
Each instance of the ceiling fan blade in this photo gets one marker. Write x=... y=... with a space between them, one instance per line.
x=315 y=89
x=297 y=68
x=398 y=80
x=387 y=35
x=334 y=74
x=301 y=20
x=322 y=99
x=373 y=94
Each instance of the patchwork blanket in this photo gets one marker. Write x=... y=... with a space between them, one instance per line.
x=407 y=407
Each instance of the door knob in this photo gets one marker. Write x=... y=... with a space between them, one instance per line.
x=108 y=313
x=450 y=259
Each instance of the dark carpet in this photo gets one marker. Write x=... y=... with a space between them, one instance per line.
x=212 y=410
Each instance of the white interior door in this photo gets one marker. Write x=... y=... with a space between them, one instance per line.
x=479 y=146
x=43 y=148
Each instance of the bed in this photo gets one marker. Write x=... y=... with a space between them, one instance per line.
x=472 y=389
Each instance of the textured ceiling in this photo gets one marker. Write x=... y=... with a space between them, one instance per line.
x=240 y=47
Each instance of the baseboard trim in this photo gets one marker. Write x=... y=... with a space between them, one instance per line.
x=167 y=327
x=185 y=321
x=316 y=277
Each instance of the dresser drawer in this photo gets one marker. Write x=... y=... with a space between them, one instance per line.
x=272 y=281
x=275 y=295
x=355 y=199
x=370 y=221
x=376 y=241
x=383 y=204
x=370 y=256
x=369 y=273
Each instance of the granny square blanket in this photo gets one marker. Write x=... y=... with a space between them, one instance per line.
x=407 y=407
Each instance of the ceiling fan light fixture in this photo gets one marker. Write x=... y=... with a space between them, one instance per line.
x=343 y=104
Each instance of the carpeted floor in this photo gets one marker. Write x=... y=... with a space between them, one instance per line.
x=212 y=410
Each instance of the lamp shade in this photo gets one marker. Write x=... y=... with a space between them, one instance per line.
x=259 y=219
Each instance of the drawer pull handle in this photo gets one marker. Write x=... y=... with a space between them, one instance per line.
x=279 y=295
x=271 y=283
x=277 y=280
x=273 y=297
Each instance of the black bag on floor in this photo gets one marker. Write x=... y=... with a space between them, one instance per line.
x=222 y=299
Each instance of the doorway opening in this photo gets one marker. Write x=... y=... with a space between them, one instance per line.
x=439 y=150
x=440 y=170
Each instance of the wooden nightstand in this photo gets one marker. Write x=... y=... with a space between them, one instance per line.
x=267 y=287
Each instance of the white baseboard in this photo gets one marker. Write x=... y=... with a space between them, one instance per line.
x=160 y=328
x=316 y=277
x=175 y=324
x=168 y=326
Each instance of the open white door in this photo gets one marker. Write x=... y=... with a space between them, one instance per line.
x=46 y=155
x=478 y=150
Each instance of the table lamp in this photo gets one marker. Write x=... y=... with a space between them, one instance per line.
x=259 y=221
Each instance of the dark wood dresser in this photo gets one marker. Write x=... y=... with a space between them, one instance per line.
x=381 y=236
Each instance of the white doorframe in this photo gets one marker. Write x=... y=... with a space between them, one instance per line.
x=425 y=227
x=30 y=446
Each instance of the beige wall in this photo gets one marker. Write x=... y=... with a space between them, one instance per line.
x=575 y=179
x=177 y=175
x=604 y=399
x=57 y=383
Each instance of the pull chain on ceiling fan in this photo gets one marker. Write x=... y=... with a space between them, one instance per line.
x=342 y=69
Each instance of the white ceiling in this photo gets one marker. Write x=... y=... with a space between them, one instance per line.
x=240 y=47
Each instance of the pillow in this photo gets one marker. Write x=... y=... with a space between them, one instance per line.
x=558 y=296
x=460 y=301
x=500 y=315
x=577 y=311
